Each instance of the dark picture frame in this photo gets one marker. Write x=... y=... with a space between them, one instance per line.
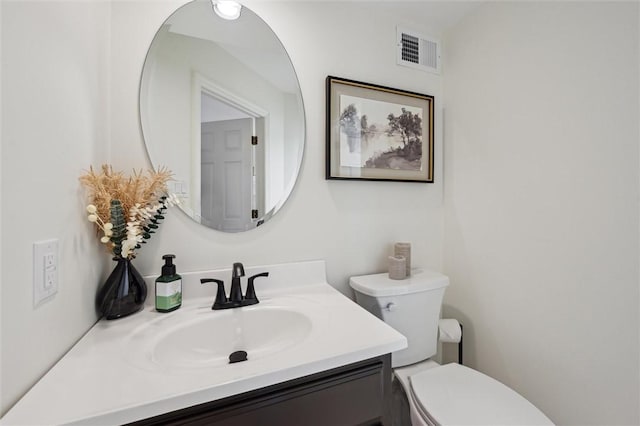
x=378 y=133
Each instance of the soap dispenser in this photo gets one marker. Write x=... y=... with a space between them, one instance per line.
x=168 y=287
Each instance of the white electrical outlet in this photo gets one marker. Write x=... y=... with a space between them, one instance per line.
x=45 y=270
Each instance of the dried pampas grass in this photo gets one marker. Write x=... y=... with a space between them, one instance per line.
x=140 y=188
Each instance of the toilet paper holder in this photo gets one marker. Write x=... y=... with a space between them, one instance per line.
x=451 y=331
x=460 y=346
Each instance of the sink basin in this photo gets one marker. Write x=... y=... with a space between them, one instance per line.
x=208 y=338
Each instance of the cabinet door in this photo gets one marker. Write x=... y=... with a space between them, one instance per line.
x=352 y=395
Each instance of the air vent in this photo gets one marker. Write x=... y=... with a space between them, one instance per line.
x=418 y=51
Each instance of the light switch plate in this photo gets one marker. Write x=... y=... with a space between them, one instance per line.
x=45 y=270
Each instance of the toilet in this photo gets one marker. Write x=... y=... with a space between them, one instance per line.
x=449 y=394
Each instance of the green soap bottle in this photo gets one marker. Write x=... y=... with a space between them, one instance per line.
x=168 y=287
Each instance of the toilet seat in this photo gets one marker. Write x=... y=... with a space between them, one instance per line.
x=419 y=417
x=453 y=394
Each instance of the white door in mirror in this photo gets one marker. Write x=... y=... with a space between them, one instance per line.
x=226 y=174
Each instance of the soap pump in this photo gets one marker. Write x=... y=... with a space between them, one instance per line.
x=168 y=286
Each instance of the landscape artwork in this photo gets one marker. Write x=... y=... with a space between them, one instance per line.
x=376 y=132
x=379 y=135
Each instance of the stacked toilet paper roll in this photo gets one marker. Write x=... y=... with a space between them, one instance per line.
x=404 y=250
x=397 y=267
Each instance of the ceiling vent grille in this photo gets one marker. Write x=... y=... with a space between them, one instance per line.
x=418 y=51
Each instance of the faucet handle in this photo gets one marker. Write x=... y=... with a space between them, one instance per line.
x=250 y=296
x=221 y=296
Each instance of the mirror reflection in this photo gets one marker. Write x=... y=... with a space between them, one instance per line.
x=220 y=105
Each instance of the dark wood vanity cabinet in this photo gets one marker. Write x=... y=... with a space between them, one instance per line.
x=355 y=394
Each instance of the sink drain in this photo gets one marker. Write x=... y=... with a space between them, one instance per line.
x=237 y=356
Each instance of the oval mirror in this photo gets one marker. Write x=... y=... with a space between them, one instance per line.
x=221 y=107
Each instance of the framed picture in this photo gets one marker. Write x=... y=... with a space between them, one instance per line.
x=378 y=133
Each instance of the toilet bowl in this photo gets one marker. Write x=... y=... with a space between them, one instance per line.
x=450 y=394
x=453 y=394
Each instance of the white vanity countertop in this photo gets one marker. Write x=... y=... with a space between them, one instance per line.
x=104 y=379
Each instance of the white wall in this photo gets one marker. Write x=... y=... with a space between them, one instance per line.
x=2 y=403
x=350 y=224
x=55 y=123
x=541 y=202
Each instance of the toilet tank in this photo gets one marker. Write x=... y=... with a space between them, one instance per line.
x=411 y=306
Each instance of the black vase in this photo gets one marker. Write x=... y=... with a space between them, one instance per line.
x=123 y=293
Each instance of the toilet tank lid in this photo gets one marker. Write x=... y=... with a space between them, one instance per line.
x=379 y=285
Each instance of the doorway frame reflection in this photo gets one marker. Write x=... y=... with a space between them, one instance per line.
x=199 y=85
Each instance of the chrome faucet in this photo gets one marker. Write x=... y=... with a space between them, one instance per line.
x=236 y=299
